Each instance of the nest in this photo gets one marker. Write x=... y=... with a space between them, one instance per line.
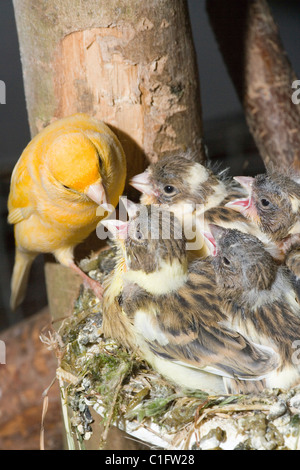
x=98 y=376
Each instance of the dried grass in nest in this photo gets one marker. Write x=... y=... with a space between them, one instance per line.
x=96 y=373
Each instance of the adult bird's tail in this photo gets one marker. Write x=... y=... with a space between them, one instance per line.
x=19 y=281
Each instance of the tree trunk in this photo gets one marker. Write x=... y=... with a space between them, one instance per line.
x=262 y=74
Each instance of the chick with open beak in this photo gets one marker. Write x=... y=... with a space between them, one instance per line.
x=274 y=205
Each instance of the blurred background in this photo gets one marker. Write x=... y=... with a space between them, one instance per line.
x=225 y=131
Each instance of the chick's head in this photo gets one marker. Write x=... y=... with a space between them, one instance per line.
x=151 y=237
x=241 y=262
x=155 y=236
x=175 y=179
x=276 y=200
x=273 y=203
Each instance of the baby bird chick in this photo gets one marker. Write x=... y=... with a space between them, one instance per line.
x=60 y=189
x=273 y=203
x=169 y=310
x=196 y=195
x=176 y=180
x=259 y=299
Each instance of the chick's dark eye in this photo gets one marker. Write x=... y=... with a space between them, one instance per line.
x=169 y=189
x=66 y=187
x=265 y=202
x=225 y=261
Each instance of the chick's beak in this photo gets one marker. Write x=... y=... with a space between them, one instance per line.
x=117 y=228
x=142 y=183
x=213 y=237
x=97 y=194
x=245 y=181
x=242 y=205
x=210 y=243
x=239 y=205
x=132 y=209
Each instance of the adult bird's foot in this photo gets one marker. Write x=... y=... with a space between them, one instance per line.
x=88 y=282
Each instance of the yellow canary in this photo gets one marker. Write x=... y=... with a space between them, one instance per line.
x=65 y=181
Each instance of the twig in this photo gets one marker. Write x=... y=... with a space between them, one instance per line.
x=44 y=412
x=110 y=416
x=231 y=408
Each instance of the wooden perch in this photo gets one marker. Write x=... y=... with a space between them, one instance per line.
x=250 y=43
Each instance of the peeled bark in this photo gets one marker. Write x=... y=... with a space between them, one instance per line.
x=250 y=43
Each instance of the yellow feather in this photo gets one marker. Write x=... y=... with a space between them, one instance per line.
x=23 y=262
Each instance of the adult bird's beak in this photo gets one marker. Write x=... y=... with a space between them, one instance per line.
x=241 y=205
x=142 y=183
x=117 y=228
x=97 y=194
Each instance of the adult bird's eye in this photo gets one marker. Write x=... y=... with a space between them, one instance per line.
x=265 y=202
x=169 y=189
x=226 y=261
